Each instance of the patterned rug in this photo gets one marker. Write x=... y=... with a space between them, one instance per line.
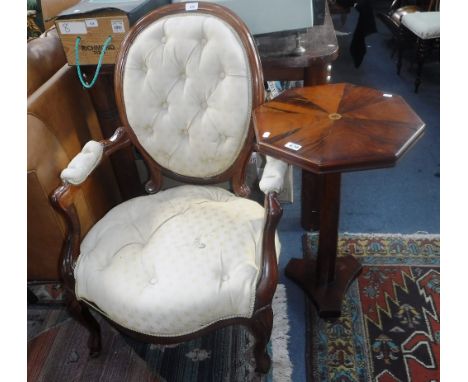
x=57 y=350
x=389 y=330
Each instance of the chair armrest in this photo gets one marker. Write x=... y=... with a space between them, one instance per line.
x=63 y=197
x=273 y=175
x=84 y=163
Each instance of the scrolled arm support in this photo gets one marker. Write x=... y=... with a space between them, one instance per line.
x=268 y=279
x=118 y=141
x=63 y=200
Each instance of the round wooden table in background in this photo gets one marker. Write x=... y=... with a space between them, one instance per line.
x=329 y=129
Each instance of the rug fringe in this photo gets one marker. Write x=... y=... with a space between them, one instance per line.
x=416 y=235
x=282 y=366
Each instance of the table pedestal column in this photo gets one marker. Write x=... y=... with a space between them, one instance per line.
x=310 y=200
x=317 y=74
x=326 y=279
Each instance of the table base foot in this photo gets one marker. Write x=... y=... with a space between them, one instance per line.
x=328 y=297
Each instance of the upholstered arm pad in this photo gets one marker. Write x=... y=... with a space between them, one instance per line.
x=83 y=164
x=273 y=175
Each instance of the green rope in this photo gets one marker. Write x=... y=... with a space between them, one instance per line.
x=98 y=68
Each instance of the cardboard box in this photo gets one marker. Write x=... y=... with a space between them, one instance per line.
x=94 y=21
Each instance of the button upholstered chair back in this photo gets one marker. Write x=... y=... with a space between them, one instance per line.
x=186 y=84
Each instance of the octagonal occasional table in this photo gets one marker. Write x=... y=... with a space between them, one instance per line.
x=329 y=129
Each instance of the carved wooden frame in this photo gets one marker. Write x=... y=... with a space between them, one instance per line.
x=236 y=172
x=260 y=324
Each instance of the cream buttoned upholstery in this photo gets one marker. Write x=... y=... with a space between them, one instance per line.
x=187 y=93
x=83 y=164
x=174 y=262
x=273 y=175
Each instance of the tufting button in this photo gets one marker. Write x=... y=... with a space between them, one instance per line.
x=153 y=281
x=163 y=39
x=204 y=105
x=164 y=105
x=203 y=41
x=225 y=278
x=222 y=75
x=199 y=244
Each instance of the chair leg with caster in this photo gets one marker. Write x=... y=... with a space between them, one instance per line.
x=261 y=330
x=81 y=313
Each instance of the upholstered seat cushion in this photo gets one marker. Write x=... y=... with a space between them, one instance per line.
x=174 y=262
x=425 y=25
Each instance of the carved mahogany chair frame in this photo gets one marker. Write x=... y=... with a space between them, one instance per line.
x=260 y=324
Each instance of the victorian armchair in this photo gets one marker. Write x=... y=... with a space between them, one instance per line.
x=175 y=264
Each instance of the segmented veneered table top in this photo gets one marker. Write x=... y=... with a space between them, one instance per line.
x=336 y=127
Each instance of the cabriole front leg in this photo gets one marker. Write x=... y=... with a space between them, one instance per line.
x=261 y=322
x=261 y=327
x=62 y=199
x=81 y=313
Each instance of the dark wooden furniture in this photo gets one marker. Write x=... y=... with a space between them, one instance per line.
x=278 y=63
x=321 y=48
x=403 y=38
x=392 y=20
x=314 y=68
x=415 y=35
x=261 y=321
x=392 y=17
x=336 y=128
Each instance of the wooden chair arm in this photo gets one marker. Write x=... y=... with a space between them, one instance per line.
x=118 y=141
x=63 y=200
x=268 y=279
x=64 y=195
